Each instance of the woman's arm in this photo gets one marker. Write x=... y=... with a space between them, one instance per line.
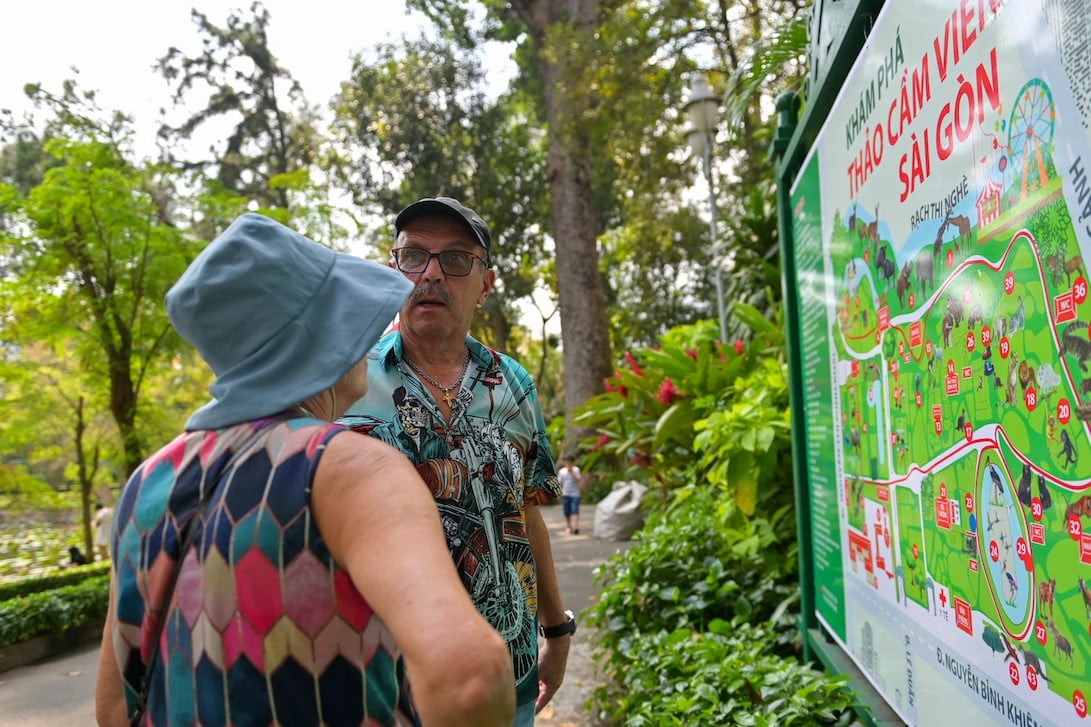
x=380 y=523
x=110 y=708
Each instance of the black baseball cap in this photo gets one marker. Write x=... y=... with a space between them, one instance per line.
x=448 y=207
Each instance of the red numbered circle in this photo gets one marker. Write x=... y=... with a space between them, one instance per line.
x=1013 y=672
x=916 y=552
x=1036 y=508
x=950 y=258
x=1032 y=678
x=919 y=400
x=969 y=431
x=1021 y=548
x=994 y=551
x=1030 y=396
x=1009 y=283
x=970 y=342
x=1079 y=290
x=1075 y=527
x=1064 y=411
x=928 y=347
x=986 y=336
x=1005 y=347
x=1040 y=632
x=969 y=503
x=943 y=490
x=912 y=300
x=1080 y=703
x=950 y=367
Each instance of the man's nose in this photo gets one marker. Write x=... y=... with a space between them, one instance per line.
x=432 y=271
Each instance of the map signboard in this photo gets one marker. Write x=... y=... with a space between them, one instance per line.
x=941 y=236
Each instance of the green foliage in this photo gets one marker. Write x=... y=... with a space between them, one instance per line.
x=57 y=579
x=727 y=403
x=90 y=259
x=696 y=562
x=697 y=622
x=724 y=676
x=20 y=490
x=55 y=611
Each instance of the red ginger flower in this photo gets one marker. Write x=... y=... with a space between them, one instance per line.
x=668 y=392
x=633 y=364
x=739 y=346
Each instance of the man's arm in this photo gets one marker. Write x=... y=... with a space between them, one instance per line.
x=553 y=653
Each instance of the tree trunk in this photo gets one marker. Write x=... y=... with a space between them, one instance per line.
x=560 y=55
x=86 y=475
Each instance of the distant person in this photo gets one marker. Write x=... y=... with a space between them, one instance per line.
x=573 y=485
x=468 y=418
x=104 y=518
x=300 y=599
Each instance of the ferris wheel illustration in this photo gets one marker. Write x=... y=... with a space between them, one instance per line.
x=1030 y=134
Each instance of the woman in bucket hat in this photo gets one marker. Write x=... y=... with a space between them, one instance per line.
x=260 y=575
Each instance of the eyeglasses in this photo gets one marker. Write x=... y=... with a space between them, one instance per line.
x=414 y=260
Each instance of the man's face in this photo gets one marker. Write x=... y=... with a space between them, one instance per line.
x=442 y=305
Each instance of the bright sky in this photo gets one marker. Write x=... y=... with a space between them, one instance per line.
x=115 y=43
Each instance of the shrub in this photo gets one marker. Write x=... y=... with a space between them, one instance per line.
x=57 y=611
x=697 y=562
x=66 y=577
x=698 y=622
x=726 y=403
x=723 y=676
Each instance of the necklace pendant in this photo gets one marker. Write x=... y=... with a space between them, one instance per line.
x=448 y=398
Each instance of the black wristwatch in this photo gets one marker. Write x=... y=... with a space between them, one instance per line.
x=564 y=629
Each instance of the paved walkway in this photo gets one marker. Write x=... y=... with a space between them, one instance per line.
x=60 y=691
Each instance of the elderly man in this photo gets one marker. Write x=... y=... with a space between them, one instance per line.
x=469 y=419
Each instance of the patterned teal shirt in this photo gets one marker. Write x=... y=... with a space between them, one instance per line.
x=492 y=461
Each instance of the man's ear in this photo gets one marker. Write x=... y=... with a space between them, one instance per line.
x=488 y=280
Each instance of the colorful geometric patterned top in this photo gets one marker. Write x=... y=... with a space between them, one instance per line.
x=263 y=628
x=491 y=462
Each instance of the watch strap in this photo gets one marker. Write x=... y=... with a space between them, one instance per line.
x=562 y=629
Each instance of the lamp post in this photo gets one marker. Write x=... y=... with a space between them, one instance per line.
x=702 y=108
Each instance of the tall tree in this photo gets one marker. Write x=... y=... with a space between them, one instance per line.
x=89 y=260
x=561 y=40
x=273 y=143
x=413 y=121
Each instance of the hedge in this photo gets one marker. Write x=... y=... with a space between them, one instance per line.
x=54 y=611
x=67 y=577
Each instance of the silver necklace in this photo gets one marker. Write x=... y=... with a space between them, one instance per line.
x=447 y=396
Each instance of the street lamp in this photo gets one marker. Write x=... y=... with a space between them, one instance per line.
x=702 y=108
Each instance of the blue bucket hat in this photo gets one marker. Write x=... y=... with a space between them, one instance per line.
x=278 y=317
